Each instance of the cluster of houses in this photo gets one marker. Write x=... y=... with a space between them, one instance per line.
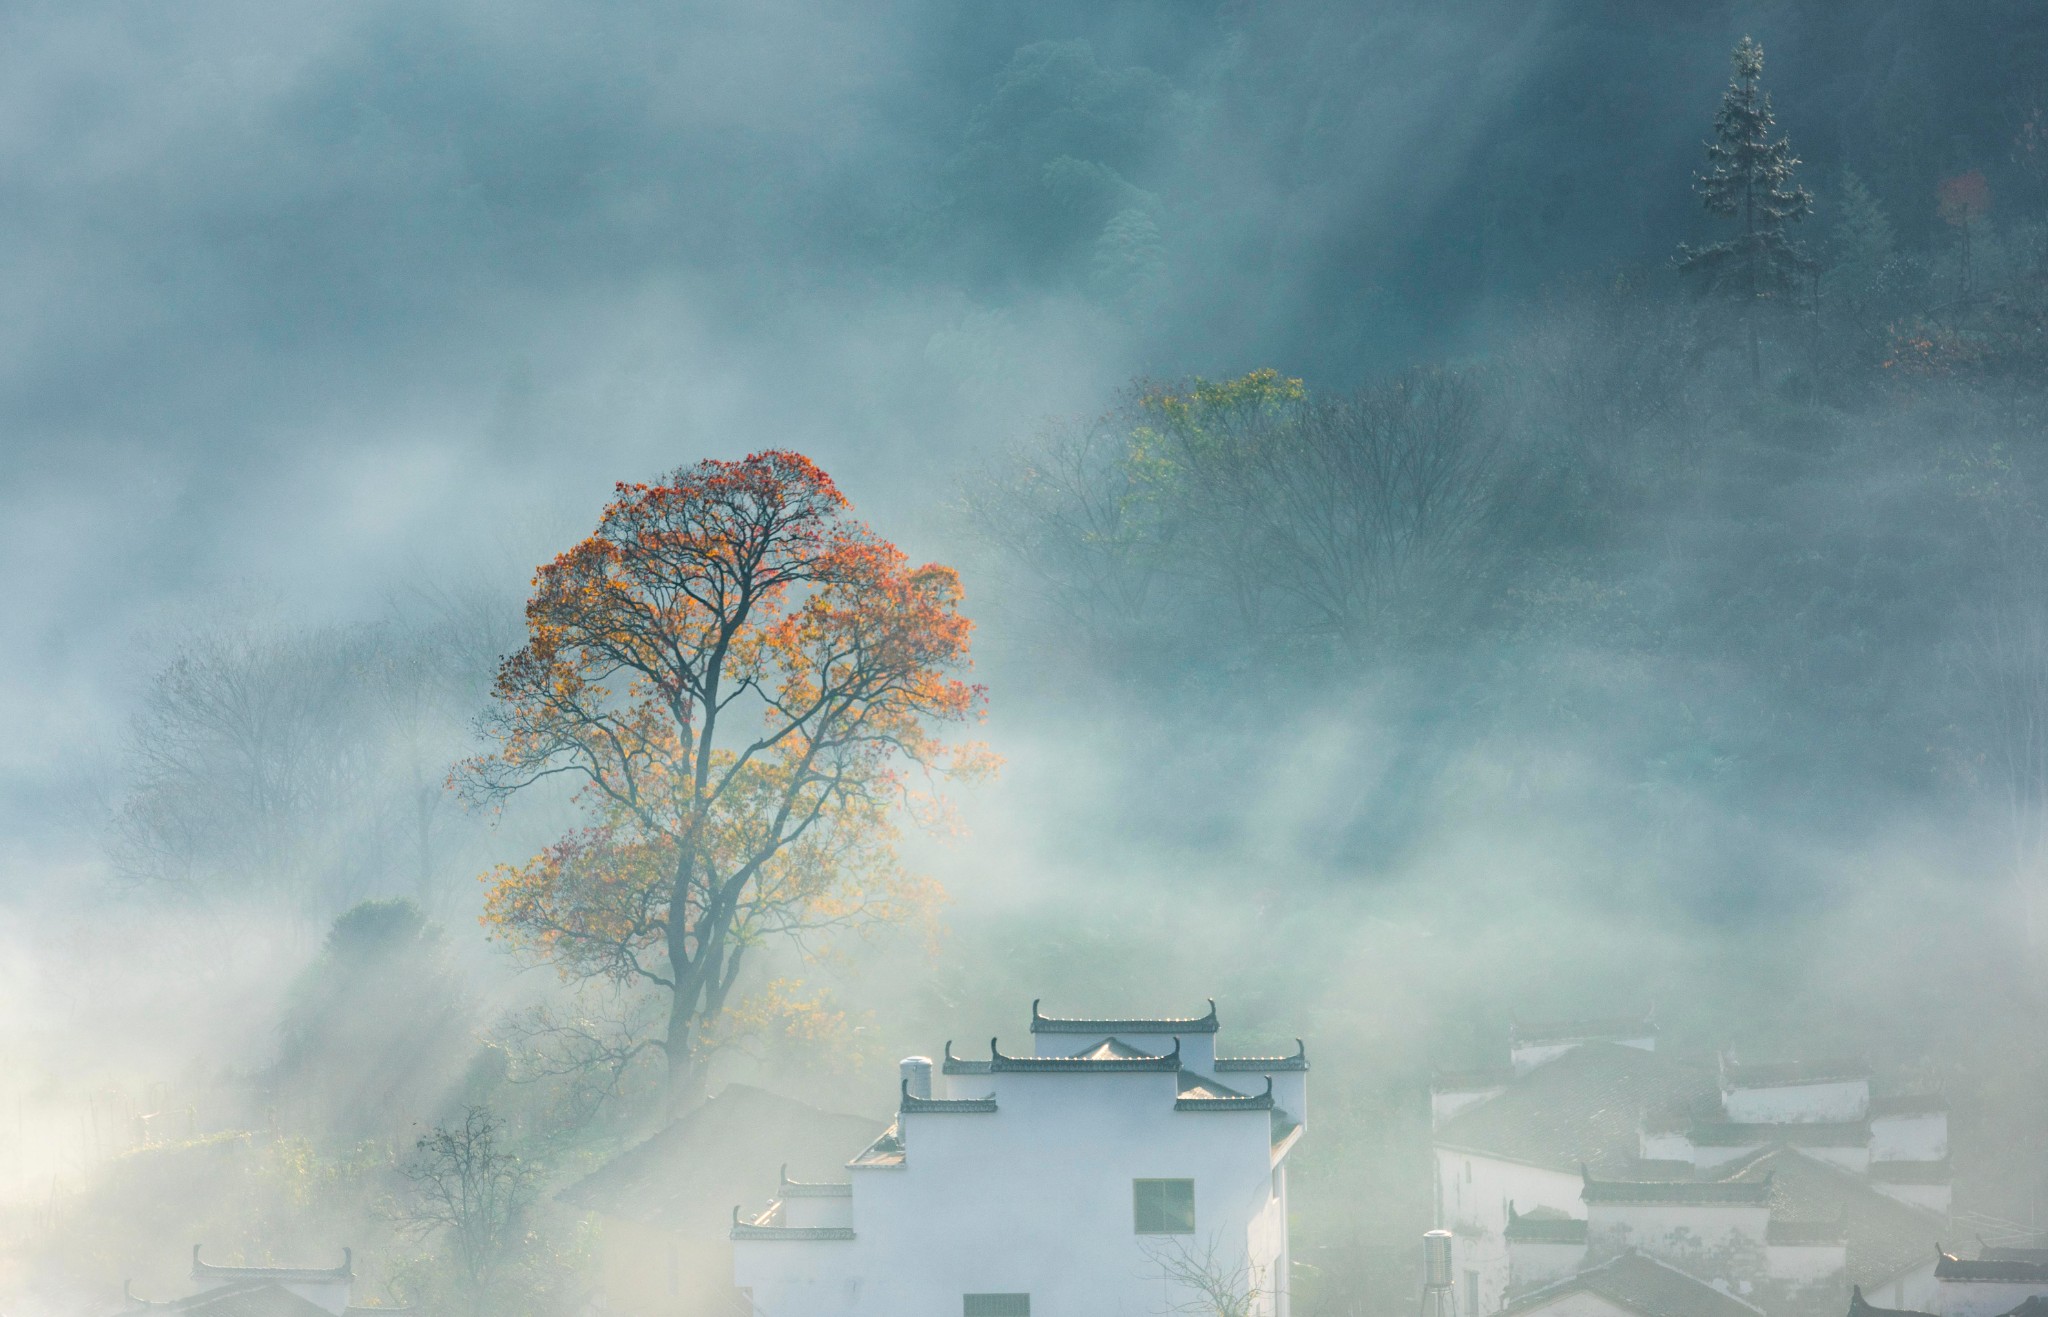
x=1593 y=1176
x=1119 y=1167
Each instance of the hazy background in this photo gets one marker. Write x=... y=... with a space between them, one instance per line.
x=324 y=324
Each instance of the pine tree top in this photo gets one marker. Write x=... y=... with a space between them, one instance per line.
x=1750 y=178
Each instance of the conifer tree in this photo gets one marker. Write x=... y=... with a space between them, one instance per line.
x=1749 y=179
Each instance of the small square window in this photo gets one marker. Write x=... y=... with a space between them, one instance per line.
x=995 y=1305
x=1163 y=1207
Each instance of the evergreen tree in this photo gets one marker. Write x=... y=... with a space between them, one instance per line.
x=1749 y=179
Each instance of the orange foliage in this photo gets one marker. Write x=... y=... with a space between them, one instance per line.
x=745 y=685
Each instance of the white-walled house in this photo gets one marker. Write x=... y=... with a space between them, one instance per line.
x=1073 y=1180
x=1781 y=1185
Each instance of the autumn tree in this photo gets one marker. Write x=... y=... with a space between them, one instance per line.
x=744 y=685
x=1749 y=179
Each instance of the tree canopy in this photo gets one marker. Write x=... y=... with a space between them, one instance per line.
x=744 y=685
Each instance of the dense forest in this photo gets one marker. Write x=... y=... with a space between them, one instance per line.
x=1465 y=509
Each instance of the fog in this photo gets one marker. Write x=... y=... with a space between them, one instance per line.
x=1654 y=682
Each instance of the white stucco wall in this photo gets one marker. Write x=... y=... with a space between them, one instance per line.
x=1920 y=1137
x=1847 y=1099
x=1473 y=1193
x=1715 y=1242
x=1806 y=1264
x=1035 y=1198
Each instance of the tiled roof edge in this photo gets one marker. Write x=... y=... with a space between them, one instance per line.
x=1057 y=1024
x=1252 y=1064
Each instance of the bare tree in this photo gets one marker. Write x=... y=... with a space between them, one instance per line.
x=1208 y=1280
x=472 y=1195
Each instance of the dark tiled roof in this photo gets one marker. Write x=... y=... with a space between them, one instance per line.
x=687 y=1177
x=1817 y=1134
x=1087 y=1063
x=953 y=1065
x=1912 y=1172
x=2009 y=1253
x=1787 y=1074
x=1582 y=1031
x=1582 y=1108
x=1860 y=1307
x=1264 y=1064
x=1729 y=1193
x=1164 y=1025
x=885 y=1153
x=2033 y=1306
x=249 y=1299
x=1545 y=1225
x=1193 y=1085
x=1906 y=1104
x=1114 y=1049
x=2011 y=1270
x=1470 y=1081
x=1643 y=1286
x=1885 y=1236
x=943 y=1106
x=1211 y=1096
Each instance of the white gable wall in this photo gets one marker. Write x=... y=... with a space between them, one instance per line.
x=1034 y=1198
x=1473 y=1193
x=1919 y=1137
x=1712 y=1241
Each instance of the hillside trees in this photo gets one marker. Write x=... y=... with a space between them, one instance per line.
x=1303 y=529
x=1750 y=179
x=743 y=684
x=304 y=763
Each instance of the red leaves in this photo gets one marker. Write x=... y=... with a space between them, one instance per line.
x=737 y=673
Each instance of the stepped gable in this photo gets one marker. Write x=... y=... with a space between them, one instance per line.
x=1582 y=1109
x=1644 y=1286
x=1884 y=1236
x=687 y=1177
x=277 y=1275
x=1859 y=1307
x=1265 y=1064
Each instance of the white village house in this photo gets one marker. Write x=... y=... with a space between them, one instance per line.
x=1593 y=1174
x=1076 y=1179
